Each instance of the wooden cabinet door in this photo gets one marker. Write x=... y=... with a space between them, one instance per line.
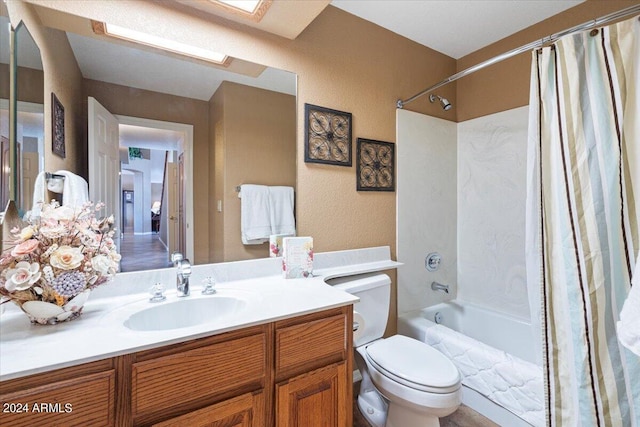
x=247 y=410
x=84 y=401
x=316 y=399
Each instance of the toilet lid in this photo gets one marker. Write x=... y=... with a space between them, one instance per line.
x=414 y=364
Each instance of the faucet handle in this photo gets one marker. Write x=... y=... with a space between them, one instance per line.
x=176 y=257
x=156 y=292
x=209 y=283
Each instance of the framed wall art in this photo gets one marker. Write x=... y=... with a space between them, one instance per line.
x=57 y=122
x=375 y=165
x=327 y=136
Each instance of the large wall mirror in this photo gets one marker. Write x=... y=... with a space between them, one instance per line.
x=22 y=154
x=189 y=134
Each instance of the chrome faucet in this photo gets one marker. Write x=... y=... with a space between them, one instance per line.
x=183 y=267
x=439 y=287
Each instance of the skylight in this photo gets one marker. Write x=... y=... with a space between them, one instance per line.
x=251 y=9
x=249 y=6
x=159 y=42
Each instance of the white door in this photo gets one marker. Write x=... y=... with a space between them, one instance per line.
x=29 y=174
x=182 y=224
x=104 y=162
x=173 y=230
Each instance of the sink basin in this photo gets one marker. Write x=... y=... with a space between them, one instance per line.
x=184 y=313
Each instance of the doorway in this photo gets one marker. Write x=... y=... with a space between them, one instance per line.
x=121 y=145
x=154 y=183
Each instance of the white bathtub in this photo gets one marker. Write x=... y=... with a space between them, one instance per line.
x=475 y=339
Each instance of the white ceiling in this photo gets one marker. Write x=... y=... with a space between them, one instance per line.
x=455 y=27
x=115 y=63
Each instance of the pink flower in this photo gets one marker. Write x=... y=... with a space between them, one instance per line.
x=25 y=248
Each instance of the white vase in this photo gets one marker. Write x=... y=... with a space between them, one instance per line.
x=46 y=313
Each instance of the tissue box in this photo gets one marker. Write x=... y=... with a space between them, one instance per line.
x=297 y=257
x=275 y=244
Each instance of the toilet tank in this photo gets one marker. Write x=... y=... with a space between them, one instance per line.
x=372 y=311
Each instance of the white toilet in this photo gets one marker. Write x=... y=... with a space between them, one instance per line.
x=405 y=383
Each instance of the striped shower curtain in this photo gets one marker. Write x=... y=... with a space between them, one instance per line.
x=583 y=205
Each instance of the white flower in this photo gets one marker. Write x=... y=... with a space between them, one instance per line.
x=115 y=256
x=61 y=213
x=22 y=277
x=102 y=264
x=53 y=231
x=66 y=258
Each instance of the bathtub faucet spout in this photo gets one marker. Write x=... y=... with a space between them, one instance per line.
x=439 y=287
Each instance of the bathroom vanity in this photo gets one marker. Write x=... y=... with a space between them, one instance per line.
x=295 y=369
x=284 y=361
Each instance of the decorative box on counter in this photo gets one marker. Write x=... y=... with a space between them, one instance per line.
x=275 y=244
x=297 y=257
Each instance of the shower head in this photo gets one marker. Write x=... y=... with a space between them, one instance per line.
x=446 y=105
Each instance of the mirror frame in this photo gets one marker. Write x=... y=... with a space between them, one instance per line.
x=13 y=112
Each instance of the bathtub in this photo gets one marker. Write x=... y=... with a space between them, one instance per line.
x=494 y=354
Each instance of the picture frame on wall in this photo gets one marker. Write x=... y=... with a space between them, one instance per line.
x=57 y=121
x=375 y=165
x=327 y=136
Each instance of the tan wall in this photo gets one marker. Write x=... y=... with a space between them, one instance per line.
x=342 y=62
x=4 y=81
x=259 y=148
x=216 y=175
x=30 y=84
x=152 y=105
x=62 y=77
x=506 y=85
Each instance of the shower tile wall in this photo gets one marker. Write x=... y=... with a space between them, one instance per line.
x=491 y=211
x=426 y=195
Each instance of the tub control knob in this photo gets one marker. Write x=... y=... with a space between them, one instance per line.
x=432 y=261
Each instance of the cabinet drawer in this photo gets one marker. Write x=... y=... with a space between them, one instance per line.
x=82 y=401
x=311 y=344
x=247 y=410
x=198 y=375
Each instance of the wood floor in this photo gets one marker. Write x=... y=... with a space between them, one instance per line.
x=142 y=252
x=463 y=417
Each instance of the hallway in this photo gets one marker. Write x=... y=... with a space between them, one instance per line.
x=142 y=252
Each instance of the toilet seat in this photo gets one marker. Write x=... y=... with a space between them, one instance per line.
x=414 y=364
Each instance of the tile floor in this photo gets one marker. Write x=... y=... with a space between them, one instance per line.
x=463 y=417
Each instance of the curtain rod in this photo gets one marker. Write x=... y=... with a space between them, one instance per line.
x=533 y=45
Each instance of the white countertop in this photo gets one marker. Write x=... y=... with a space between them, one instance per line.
x=99 y=333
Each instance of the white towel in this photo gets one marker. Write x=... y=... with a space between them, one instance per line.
x=39 y=187
x=281 y=212
x=76 y=189
x=629 y=323
x=255 y=218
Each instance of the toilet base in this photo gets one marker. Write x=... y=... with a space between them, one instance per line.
x=373 y=408
x=401 y=416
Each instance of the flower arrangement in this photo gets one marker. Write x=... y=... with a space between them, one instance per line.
x=54 y=261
